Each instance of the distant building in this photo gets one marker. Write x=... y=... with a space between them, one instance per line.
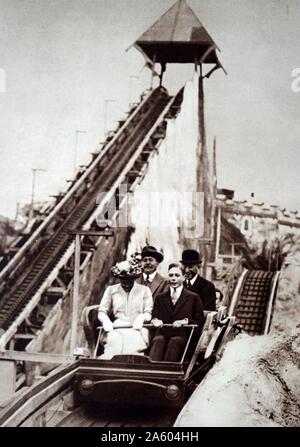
x=255 y=223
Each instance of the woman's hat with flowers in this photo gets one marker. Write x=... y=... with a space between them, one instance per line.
x=126 y=269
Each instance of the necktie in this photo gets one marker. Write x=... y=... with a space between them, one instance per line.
x=174 y=296
x=147 y=280
x=187 y=283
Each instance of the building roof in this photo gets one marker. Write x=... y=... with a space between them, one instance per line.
x=178 y=36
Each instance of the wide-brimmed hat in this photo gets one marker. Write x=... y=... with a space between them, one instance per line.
x=191 y=257
x=153 y=253
x=126 y=270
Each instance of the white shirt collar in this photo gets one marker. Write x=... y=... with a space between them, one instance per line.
x=151 y=275
x=178 y=290
x=192 y=281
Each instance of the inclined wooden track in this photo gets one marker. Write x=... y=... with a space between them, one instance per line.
x=254 y=302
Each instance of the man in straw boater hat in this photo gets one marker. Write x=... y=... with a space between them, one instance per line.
x=151 y=258
x=130 y=305
x=191 y=261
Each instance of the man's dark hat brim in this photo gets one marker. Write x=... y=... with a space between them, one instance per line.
x=153 y=254
x=190 y=257
x=190 y=262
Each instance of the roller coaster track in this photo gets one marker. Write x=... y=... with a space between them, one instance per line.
x=43 y=405
x=24 y=275
x=88 y=416
x=253 y=300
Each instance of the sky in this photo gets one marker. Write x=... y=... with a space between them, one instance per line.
x=63 y=59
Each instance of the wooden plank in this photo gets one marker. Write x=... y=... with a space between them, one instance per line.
x=75 y=300
x=78 y=418
x=30 y=400
x=39 y=357
x=7 y=380
x=56 y=290
x=57 y=401
x=70 y=418
x=54 y=417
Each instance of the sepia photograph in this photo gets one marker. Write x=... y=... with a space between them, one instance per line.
x=149 y=216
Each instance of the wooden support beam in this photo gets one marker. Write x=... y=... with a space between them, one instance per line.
x=57 y=196
x=29 y=401
x=86 y=252
x=60 y=282
x=94 y=155
x=67 y=270
x=39 y=357
x=24 y=336
x=87 y=247
x=92 y=233
x=134 y=174
x=75 y=302
x=13 y=250
x=218 y=235
x=20 y=381
x=159 y=134
x=7 y=380
x=55 y=290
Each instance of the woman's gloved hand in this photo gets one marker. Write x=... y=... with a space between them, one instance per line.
x=108 y=326
x=138 y=322
x=106 y=322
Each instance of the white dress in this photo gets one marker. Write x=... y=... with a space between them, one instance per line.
x=126 y=307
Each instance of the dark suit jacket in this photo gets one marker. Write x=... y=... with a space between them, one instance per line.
x=207 y=292
x=157 y=286
x=188 y=306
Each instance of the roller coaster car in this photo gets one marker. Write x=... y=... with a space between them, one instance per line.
x=135 y=380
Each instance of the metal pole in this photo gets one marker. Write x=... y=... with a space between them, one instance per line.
x=130 y=87
x=32 y=189
x=218 y=238
x=203 y=181
x=106 y=102
x=152 y=72
x=77 y=132
x=75 y=295
x=34 y=170
x=17 y=211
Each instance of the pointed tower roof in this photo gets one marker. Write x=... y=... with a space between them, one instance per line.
x=178 y=37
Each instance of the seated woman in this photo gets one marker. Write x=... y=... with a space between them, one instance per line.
x=131 y=305
x=177 y=307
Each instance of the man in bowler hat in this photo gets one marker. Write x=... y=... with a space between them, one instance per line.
x=191 y=261
x=151 y=258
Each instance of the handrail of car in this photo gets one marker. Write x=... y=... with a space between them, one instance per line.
x=171 y=325
x=152 y=326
